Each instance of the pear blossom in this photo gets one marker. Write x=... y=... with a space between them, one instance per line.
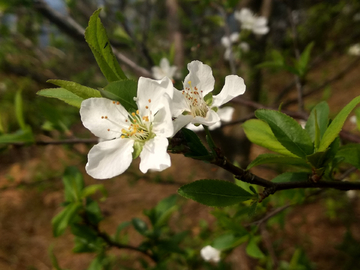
x=256 y=24
x=351 y=194
x=354 y=49
x=210 y=254
x=227 y=42
x=225 y=115
x=163 y=70
x=244 y=46
x=123 y=134
x=189 y=105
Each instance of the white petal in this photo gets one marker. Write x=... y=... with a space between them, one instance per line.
x=164 y=65
x=211 y=118
x=226 y=113
x=227 y=54
x=154 y=155
x=163 y=124
x=200 y=76
x=157 y=73
x=195 y=128
x=260 y=21
x=178 y=104
x=150 y=94
x=262 y=30
x=181 y=121
x=100 y=115
x=234 y=86
x=209 y=253
x=234 y=37
x=109 y=158
x=225 y=41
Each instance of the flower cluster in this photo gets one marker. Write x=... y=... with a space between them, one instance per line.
x=256 y=24
x=162 y=112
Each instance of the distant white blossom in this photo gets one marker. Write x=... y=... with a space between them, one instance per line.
x=354 y=49
x=164 y=70
x=227 y=42
x=249 y=21
x=353 y=119
x=351 y=194
x=189 y=105
x=210 y=254
x=245 y=47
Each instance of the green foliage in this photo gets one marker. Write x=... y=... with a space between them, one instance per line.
x=288 y=132
x=214 y=192
x=350 y=153
x=62 y=94
x=277 y=159
x=83 y=92
x=336 y=125
x=260 y=133
x=197 y=149
x=99 y=44
x=123 y=91
x=317 y=122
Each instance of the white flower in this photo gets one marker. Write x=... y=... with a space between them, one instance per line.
x=164 y=70
x=354 y=49
x=227 y=42
x=122 y=132
x=211 y=254
x=353 y=119
x=225 y=115
x=245 y=47
x=256 y=24
x=189 y=106
x=351 y=194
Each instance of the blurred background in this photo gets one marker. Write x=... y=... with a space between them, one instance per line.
x=40 y=137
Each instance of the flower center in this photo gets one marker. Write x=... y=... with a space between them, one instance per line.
x=139 y=127
x=195 y=101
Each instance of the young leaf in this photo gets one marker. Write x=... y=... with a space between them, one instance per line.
x=119 y=228
x=350 y=154
x=139 y=225
x=259 y=132
x=288 y=132
x=336 y=125
x=291 y=177
x=64 y=218
x=99 y=44
x=23 y=136
x=214 y=192
x=73 y=184
x=302 y=64
x=227 y=241
x=197 y=149
x=19 y=110
x=77 y=89
x=322 y=116
x=122 y=91
x=90 y=190
x=253 y=250
x=62 y=94
x=278 y=159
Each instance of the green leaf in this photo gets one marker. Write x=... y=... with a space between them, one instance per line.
x=253 y=250
x=336 y=125
x=119 y=228
x=303 y=62
x=54 y=261
x=209 y=98
x=19 y=110
x=99 y=44
x=197 y=149
x=259 y=132
x=22 y=136
x=227 y=241
x=320 y=113
x=278 y=159
x=62 y=94
x=288 y=132
x=140 y=225
x=252 y=209
x=350 y=154
x=77 y=89
x=82 y=245
x=214 y=192
x=93 y=211
x=64 y=218
x=291 y=177
x=122 y=91
x=73 y=184
x=90 y=190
